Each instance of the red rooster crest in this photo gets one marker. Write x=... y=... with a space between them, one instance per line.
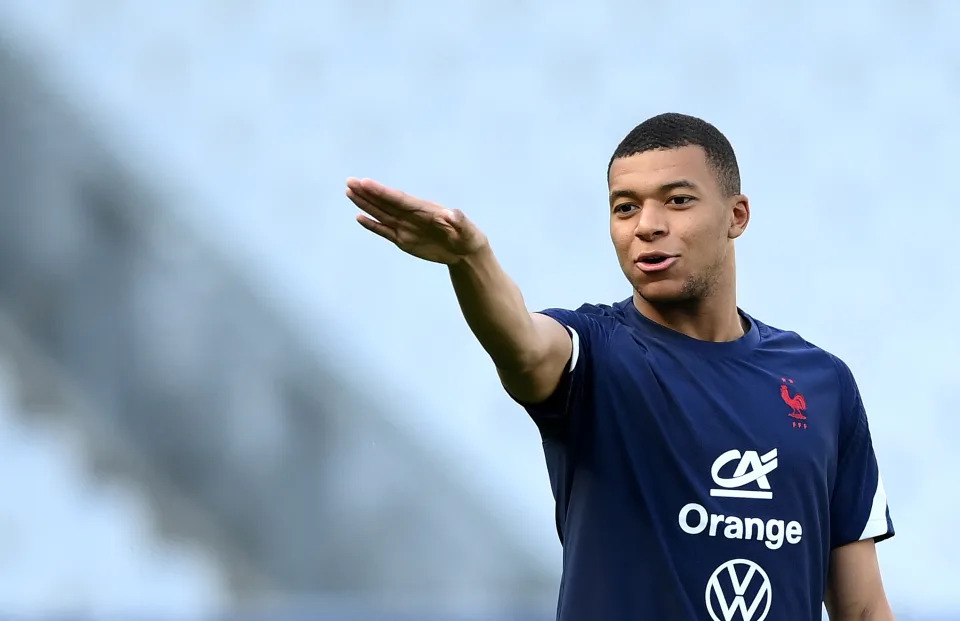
x=797 y=403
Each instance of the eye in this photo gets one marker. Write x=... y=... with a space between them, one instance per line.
x=680 y=201
x=624 y=208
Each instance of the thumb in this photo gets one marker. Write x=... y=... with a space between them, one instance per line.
x=467 y=237
x=455 y=218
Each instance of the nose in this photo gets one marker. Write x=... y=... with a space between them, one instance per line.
x=651 y=224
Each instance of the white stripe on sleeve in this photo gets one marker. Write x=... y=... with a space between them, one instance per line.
x=575 y=338
x=877 y=522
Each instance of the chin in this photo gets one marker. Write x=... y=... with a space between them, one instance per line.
x=662 y=292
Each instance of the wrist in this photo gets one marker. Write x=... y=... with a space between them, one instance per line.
x=481 y=255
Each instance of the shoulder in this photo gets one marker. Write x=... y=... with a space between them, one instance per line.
x=787 y=341
x=592 y=326
x=606 y=316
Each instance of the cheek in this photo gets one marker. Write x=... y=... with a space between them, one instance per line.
x=698 y=245
x=621 y=241
x=701 y=234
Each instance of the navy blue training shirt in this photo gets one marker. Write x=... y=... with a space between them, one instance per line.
x=700 y=480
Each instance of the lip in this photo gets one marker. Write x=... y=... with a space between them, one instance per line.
x=668 y=261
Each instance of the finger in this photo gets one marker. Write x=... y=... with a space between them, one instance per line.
x=354 y=184
x=378 y=228
x=372 y=209
x=392 y=200
x=358 y=188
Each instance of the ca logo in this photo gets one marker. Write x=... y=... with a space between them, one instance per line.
x=743 y=580
x=752 y=468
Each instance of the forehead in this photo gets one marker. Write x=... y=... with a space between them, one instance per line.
x=652 y=169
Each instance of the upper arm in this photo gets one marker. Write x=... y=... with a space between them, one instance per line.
x=556 y=385
x=557 y=346
x=854 y=586
x=858 y=505
x=859 y=516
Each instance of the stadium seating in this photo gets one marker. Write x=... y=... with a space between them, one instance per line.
x=76 y=544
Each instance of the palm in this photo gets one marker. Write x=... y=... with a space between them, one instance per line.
x=418 y=227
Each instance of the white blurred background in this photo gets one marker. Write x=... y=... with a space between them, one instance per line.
x=221 y=398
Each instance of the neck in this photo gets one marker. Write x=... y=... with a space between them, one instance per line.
x=712 y=318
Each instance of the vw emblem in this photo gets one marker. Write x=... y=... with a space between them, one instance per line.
x=739 y=590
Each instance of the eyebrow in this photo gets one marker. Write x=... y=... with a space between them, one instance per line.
x=663 y=189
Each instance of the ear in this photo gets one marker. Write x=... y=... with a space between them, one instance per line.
x=739 y=215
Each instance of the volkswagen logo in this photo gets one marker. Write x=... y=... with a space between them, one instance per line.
x=739 y=590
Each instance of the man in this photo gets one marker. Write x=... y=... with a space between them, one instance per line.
x=704 y=465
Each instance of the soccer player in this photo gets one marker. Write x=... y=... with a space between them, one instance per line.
x=704 y=464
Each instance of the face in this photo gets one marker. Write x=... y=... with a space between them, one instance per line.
x=672 y=226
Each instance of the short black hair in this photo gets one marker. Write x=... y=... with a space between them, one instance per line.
x=672 y=131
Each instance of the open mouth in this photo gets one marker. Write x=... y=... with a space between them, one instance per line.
x=653 y=260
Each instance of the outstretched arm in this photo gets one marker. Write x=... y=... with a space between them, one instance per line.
x=529 y=350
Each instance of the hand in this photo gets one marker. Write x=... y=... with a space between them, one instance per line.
x=420 y=228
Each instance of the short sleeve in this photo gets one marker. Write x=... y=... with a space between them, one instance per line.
x=859 y=508
x=572 y=395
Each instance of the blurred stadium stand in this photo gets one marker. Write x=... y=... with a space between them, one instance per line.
x=305 y=480
x=70 y=537
x=201 y=409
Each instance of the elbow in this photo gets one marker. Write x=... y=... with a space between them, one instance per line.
x=880 y=611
